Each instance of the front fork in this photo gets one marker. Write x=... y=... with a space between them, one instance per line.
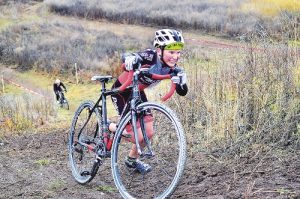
x=134 y=112
x=134 y=118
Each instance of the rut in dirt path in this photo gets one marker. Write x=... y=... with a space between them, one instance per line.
x=9 y=76
x=36 y=166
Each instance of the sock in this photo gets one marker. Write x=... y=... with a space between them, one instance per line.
x=130 y=159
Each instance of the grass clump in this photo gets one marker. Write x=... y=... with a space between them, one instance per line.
x=19 y=113
x=57 y=185
x=107 y=189
x=42 y=162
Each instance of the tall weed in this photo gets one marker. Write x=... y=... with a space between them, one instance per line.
x=242 y=99
x=23 y=112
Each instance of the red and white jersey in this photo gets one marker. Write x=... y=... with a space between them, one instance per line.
x=151 y=61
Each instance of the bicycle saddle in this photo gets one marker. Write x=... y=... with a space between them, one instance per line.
x=101 y=78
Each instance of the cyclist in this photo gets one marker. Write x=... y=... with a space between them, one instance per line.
x=58 y=87
x=168 y=44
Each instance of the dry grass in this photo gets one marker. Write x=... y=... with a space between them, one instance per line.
x=245 y=98
x=24 y=112
x=272 y=7
x=230 y=18
x=56 y=47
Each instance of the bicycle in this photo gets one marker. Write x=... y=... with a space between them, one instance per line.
x=90 y=142
x=63 y=102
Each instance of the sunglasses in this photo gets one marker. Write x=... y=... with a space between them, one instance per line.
x=174 y=46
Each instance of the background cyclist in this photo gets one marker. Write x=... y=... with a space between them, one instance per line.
x=162 y=60
x=58 y=86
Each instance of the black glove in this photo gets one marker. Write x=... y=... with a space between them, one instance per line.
x=146 y=73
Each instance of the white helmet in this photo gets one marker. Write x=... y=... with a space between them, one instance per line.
x=168 y=39
x=57 y=81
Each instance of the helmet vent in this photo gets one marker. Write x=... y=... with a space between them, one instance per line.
x=165 y=37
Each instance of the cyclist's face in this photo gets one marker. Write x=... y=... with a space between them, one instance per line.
x=171 y=57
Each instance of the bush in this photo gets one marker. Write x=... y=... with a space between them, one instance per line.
x=19 y=113
x=229 y=18
x=243 y=99
x=37 y=46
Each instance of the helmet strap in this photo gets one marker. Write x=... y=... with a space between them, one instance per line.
x=162 y=55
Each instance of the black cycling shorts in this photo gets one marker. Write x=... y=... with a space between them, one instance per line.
x=120 y=100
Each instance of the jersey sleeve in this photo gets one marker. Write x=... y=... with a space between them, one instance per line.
x=149 y=56
x=63 y=85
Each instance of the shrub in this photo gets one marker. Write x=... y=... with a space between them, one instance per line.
x=19 y=113
x=35 y=46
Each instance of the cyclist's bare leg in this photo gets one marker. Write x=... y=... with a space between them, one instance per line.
x=133 y=152
x=149 y=129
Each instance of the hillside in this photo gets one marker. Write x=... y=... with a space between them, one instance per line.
x=241 y=115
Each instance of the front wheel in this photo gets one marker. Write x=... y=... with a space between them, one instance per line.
x=169 y=146
x=65 y=104
x=63 y=101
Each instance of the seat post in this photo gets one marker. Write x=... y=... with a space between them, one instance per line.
x=104 y=110
x=103 y=86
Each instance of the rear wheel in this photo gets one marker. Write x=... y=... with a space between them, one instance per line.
x=81 y=156
x=63 y=101
x=169 y=147
x=65 y=104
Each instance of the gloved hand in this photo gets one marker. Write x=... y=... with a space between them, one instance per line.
x=132 y=61
x=146 y=73
x=180 y=78
x=65 y=90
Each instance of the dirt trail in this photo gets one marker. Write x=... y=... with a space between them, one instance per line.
x=9 y=76
x=35 y=165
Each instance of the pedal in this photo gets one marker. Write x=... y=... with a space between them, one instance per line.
x=78 y=150
x=85 y=173
x=108 y=154
x=148 y=154
x=95 y=167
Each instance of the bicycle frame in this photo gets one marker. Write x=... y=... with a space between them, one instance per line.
x=61 y=96
x=130 y=106
x=91 y=142
x=134 y=112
